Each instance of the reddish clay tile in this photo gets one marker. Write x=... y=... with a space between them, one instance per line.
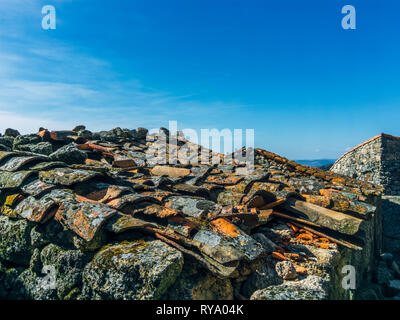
x=84 y=218
x=172 y=172
x=124 y=163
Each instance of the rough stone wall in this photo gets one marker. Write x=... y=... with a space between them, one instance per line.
x=362 y=162
x=391 y=222
x=107 y=224
x=378 y=161
x=390 y=166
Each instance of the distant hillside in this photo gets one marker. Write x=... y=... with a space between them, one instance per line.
x=319 y=163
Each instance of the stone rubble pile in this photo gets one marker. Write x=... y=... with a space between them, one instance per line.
x=109 y=222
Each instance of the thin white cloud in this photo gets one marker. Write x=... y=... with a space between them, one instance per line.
x=40 y=85
x=26 y=124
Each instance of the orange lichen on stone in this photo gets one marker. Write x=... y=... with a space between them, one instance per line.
x=278 y=256
x=321 y=201
x=292 y=256
x=189 y=225
x=294 y=228
x=84 y=199
x=92 y=162
x=339 y=181
x=167 y=212
x=300 y=270
x=225 y=228
x=305 y=236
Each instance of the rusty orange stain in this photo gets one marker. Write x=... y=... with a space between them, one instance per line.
x=323 y=245
x=295 y=229
x=300 y=269
x=305 y=236
x=278 y=256
x=84 y=199
x=225 y=228
x=167 y=212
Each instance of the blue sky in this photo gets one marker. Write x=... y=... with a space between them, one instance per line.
x=286 y=69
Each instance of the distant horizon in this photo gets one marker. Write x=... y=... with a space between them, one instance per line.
x=309 y=88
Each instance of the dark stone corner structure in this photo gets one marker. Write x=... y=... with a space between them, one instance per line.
x=88 y=216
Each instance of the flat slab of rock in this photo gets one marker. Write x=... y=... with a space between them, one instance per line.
x=192 y=207
x=172 y=172
x=67 y=176
x=310 y=288
x=325 y=217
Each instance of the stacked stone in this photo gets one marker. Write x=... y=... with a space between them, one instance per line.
x=91 y=216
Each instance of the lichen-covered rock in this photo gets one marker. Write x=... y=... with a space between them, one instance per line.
x=286 y=270
x=132 y=270
x=29 y=139
x=8 y=277
x=66 y=176
x=69 y=154
x=192 y=207
x=310 y=288
x=68 y=266
x=15 y=243
x=195 y=284
x=30 y=285
x=44 y=148
x=263 y=277
x=104 y=190
x=141 y=133
x=12 y=180
x=7 y=141
x=267 y=244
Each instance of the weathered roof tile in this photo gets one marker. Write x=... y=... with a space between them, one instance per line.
x=84 y=218
x=67 y=176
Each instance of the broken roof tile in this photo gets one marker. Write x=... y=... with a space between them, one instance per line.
x=16 y=163
x=37 y=187
x=84 y=218
x=131 y=199
x=9 y=180
x=192 y=207
x=211 y=209
x=36 y=210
